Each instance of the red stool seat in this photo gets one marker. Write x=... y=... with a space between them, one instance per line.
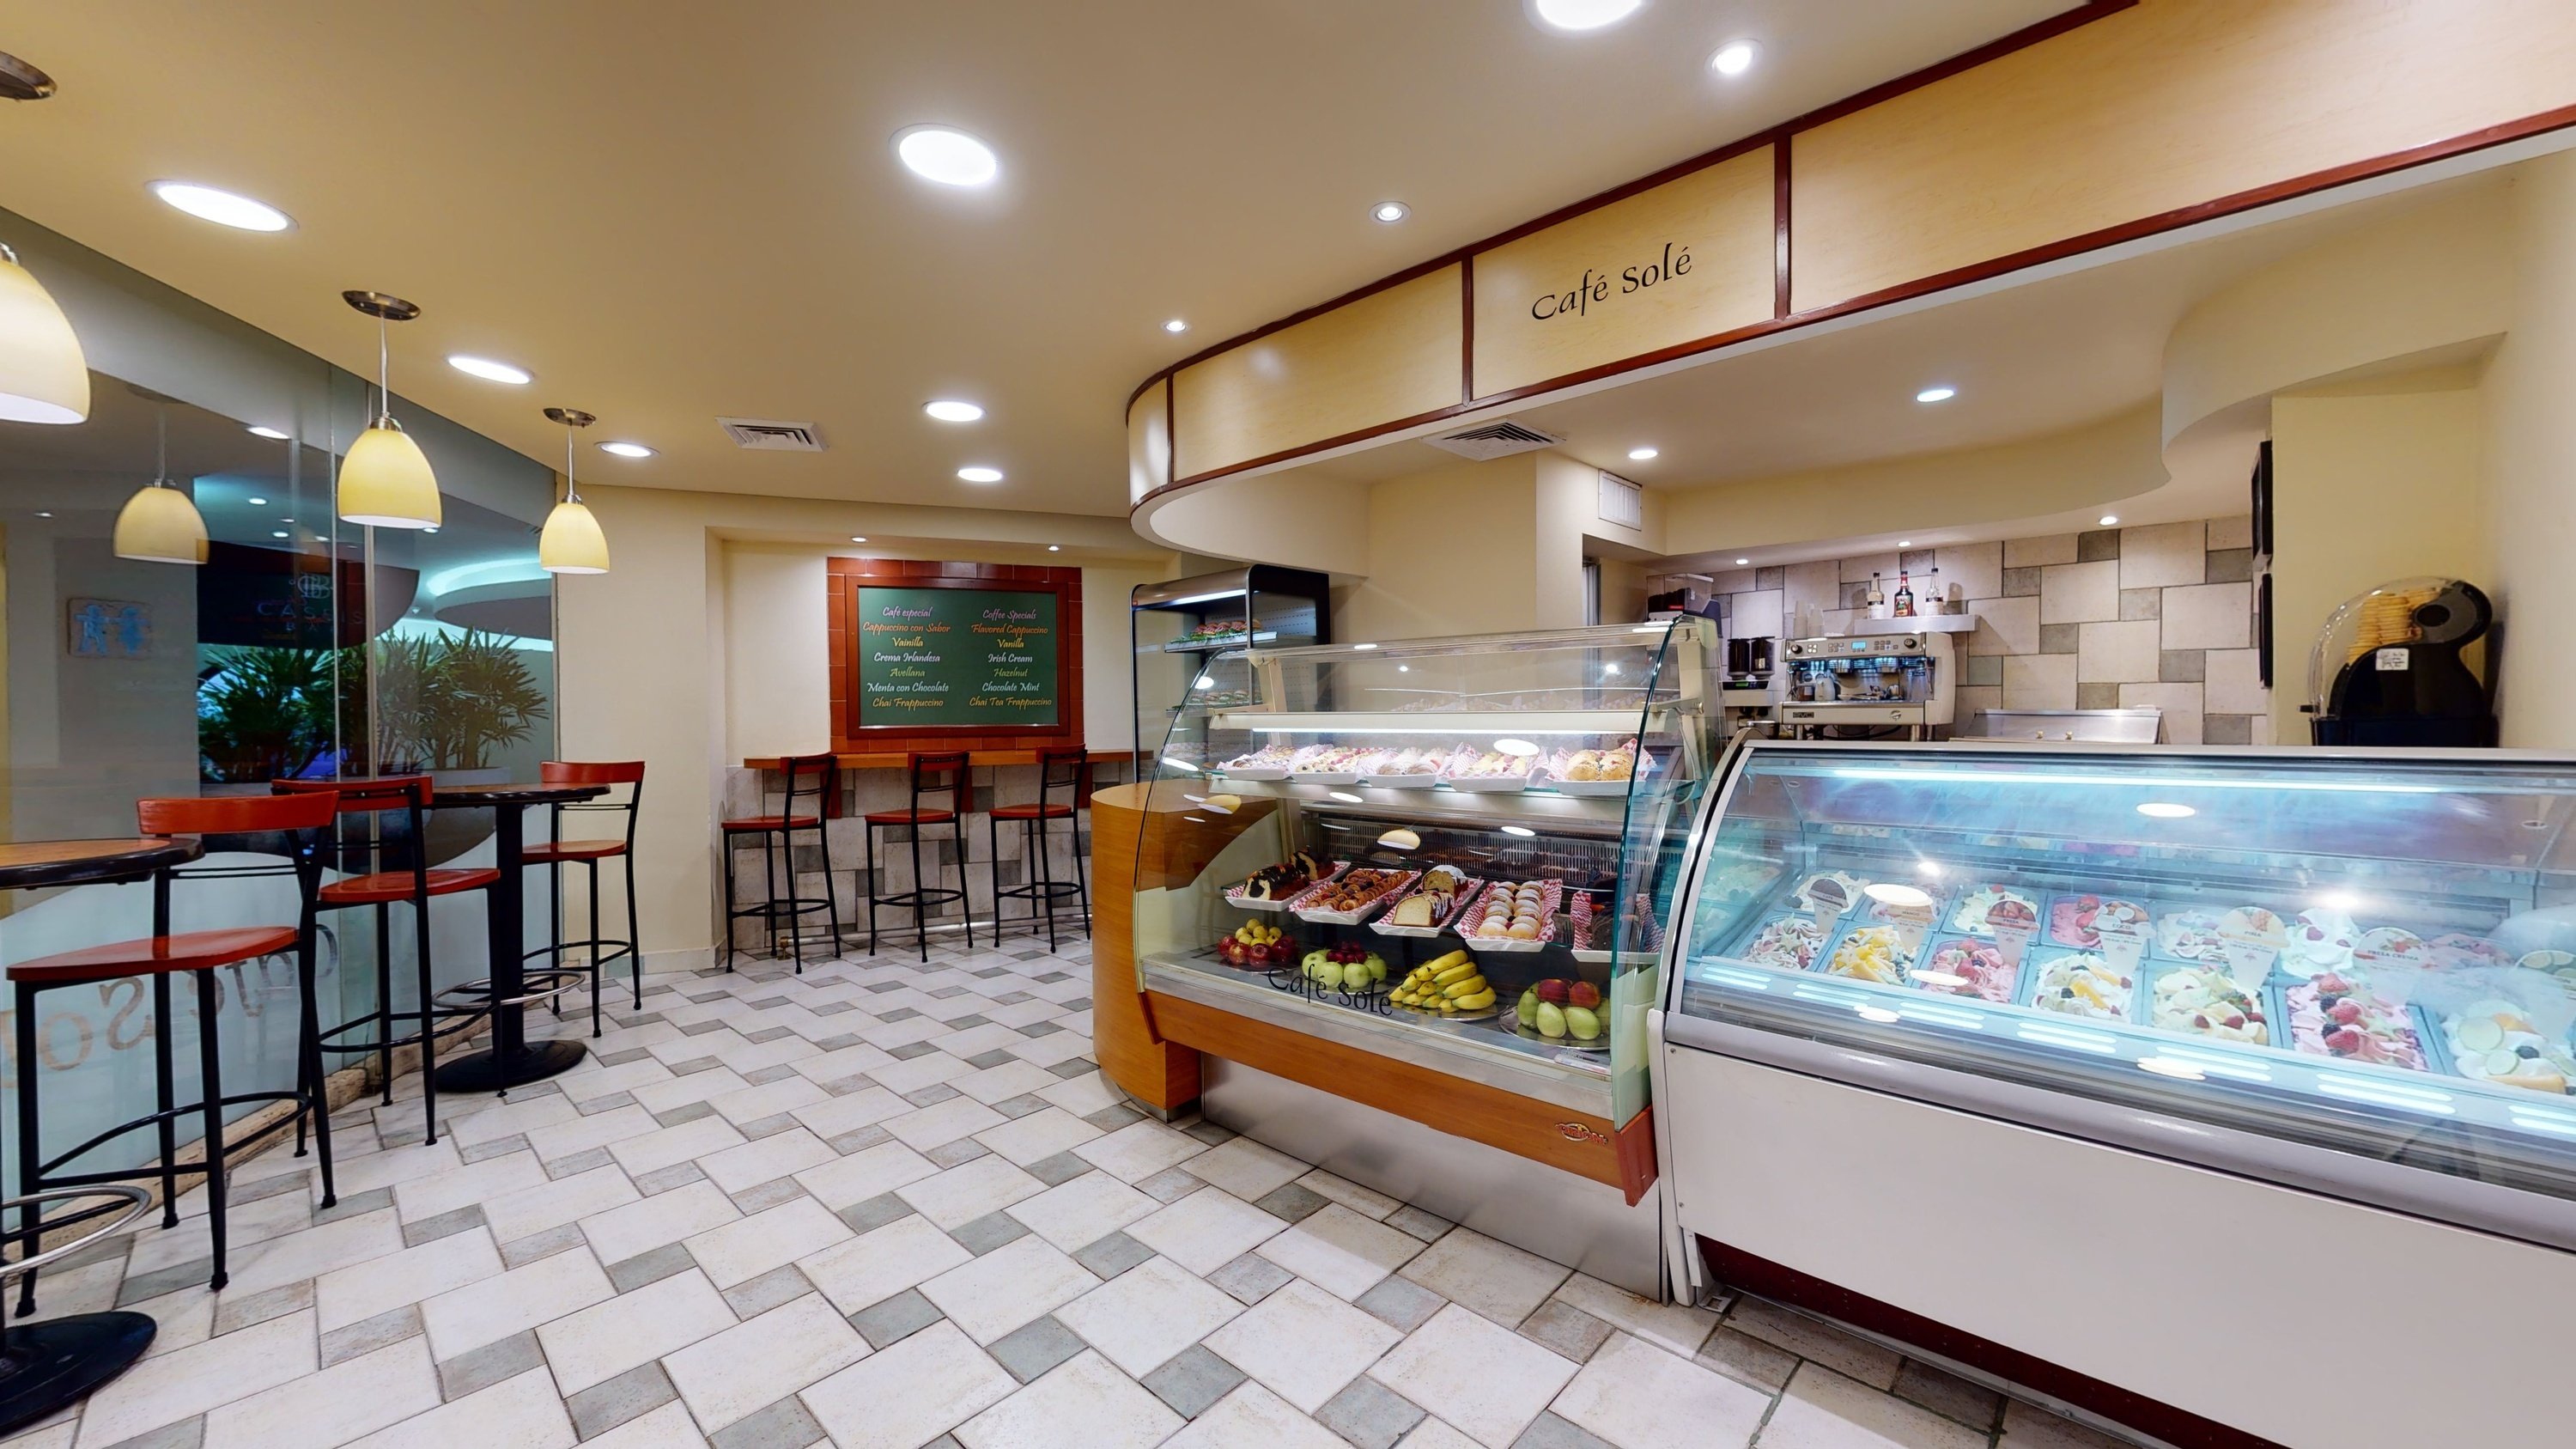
x=396 y=885
x=187 y=951
x=772 y=822
x=911 y=817
x=545 y=851
x=1031 y=812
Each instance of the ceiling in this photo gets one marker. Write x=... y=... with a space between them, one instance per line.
x=672 y=212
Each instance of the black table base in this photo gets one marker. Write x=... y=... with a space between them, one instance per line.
x=49 y=1366
x=531 y=1062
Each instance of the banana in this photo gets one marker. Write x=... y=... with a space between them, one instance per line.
x=1443 y=963
x=1477 y=1002
x=1464 y=987
x=1459 y=972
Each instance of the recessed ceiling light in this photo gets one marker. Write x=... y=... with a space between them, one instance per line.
x=1640 y=455
x=1390 y=211
x=286 y=520
x=627 y=450
x=953 y=410
x=489 y=370
x=1584 y=14
x=1735 y=57
x=425 y=530
x=858 y=538
x=1176 y=326
x=222 y=208
x=1936 y=394
x=1905 y=543
x=279 y=533
x=1739 y=563
x=947 y=156
x=980 y=475
x=2164 y=810
x=1055 y=548
x=40 y=513
x=2109 y=518
x=261 y=430
x=256 y=502
x=1520 y=830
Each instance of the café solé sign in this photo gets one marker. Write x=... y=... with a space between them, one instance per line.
x=1682 y=261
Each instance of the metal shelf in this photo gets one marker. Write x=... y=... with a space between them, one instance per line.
x=1498 y=723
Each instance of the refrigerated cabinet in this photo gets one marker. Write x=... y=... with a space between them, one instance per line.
x=2180 y=1067
x=1178 y=628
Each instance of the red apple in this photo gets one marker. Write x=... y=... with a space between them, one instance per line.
x=1583 y=994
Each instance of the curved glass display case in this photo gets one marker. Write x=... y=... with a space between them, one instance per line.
x=2352 y=972
x=1459 y=852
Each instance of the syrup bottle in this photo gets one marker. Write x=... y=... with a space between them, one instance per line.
x=1904 y=596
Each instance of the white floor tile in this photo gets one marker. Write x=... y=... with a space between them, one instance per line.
x=680 y=1091
x=520 y=1412
x=1433 y=1434
x=755 y=1364
x=778 y=1155
x=1367 y=1202
x=515 y=1215
x=1206 y=1230
x=362 y=1290
x=508 y=1119
x=491 y=1310
x=866 y=1173
x=1672 y=1327
x=1085 y=1094
x=671 y=1146
x=1012 y=1285
x=1038 y=1135
x=312 y=1253
x=427 y=1197
x=841 y=1064
x=157 y=1247
x=877 y=1265
x=1081 y=1211
x=1142 y=1317
x=332 y=1407
x=744 y=1249
x=668 y=1427
x=932 y=1126
x=1246 y=1168
x=1340 y=1251
x=1303 y=1344
x=768 y=1100
x=599 y=1129
x=639 y=1227
x=915 y=1391
x=834 y=1116
x=606 y=1339
x=1252 y=1417
x=962 y=1194
x=1495 y=1279
x=1640 y=1397
x=1482 y=1378
x=1139 y=1150
x=182 y=1385
x=1084 y=1400
x=609 y=1081
x=928 y=1069
x=354 y=1175
x=1014 y=1078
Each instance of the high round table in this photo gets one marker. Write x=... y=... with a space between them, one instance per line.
x=48 y=1366
x=512 y=1059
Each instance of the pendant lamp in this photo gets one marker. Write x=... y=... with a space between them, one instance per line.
x=43 y=377
x=160 y=523
x=572 y=542
x=385 y=480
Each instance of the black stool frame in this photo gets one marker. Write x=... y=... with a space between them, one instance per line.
x=927 y=774
x=39 y=1177
x=1068 y=771
x=817 y=777
x=563 y=772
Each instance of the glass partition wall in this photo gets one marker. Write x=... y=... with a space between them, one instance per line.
x=300 y=647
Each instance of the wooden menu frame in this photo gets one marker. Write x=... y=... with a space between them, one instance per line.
x=848 y=575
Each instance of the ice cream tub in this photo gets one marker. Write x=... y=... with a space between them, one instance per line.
x=1940 y=959
x=2084 y=920
x=2146 y=1006
x=1787 y=932
x=1868 y=952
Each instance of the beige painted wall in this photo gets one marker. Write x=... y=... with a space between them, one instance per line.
x=2367 y=489
x=706 y=644
x=1451 y=551
x=2530 y=431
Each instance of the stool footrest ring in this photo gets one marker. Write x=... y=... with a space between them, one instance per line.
x=535 y=986
x=139 y=1202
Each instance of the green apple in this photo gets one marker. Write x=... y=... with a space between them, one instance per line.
x=1551 y=1020
x=1529 y=1007
x=1582 y=1022
x=1329 y=975
x=1376 y=966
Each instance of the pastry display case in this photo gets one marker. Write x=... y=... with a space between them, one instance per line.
x=1177 y=626
x=1454 y=854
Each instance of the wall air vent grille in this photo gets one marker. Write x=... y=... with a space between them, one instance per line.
x=1495 y=440
x=772 y=436
x=1622 y=502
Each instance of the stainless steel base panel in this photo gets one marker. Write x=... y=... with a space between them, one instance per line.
x=1586 y=1225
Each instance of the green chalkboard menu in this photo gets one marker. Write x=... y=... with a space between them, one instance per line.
x=958 y=659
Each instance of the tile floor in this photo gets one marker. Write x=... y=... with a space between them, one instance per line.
x=887 y=1204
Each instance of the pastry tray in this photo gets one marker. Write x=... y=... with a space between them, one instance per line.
x=1466 y=896
x=1548 y=776
x=1253 y=772
x=1550 y=894
x=1305 y=912
x=1422 y=780
x=1234 y=895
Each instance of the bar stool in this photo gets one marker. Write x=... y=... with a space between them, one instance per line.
x=406 y=797
x=160 y=956
x=817 y=777
x=555 y=852
x=940 y=774
x=1067 y=771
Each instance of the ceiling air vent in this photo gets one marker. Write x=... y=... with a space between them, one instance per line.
x=773 y=436
x=1622 y=502
x=1495 y=440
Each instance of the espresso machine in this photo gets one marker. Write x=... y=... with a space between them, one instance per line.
x=1877 y=682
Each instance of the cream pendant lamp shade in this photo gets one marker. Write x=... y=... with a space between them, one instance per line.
x=572 y=542
x=43 y=377
x=385 y=481
x=160 y=524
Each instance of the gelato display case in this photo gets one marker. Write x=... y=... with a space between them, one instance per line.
x=1431 y=877
x=2302 y=1008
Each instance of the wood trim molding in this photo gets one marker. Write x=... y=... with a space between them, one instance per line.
x=1784 y=318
